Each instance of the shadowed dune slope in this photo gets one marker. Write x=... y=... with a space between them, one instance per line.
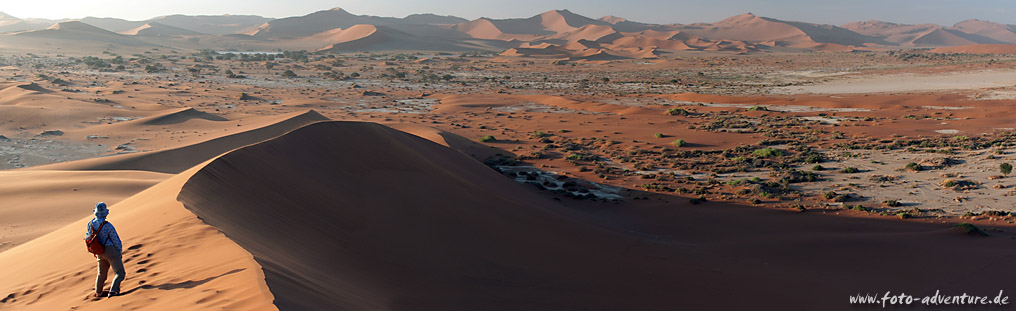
x=357 y=216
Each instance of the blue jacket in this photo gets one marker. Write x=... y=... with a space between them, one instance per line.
x=107 y=236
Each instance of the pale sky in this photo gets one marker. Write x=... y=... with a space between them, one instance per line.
x=944 y=12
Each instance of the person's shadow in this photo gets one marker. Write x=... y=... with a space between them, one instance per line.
x=180 y=285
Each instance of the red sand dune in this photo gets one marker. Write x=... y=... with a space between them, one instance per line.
x=748 y=27
x=1001 y=32
x=159 y=30
x=176 y=160
x=75 y=30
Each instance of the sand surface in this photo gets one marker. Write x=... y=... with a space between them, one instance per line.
x=495 y=182
x=903 y=83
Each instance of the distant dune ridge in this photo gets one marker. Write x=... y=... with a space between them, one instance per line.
x=158 y=30
x=569 y=35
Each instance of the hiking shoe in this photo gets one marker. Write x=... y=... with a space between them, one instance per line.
x=111 y=294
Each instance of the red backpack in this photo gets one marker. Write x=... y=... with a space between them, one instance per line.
x=92 y=242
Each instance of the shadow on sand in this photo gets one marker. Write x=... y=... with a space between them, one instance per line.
x=182 y=285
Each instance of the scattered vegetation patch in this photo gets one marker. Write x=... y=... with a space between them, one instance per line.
x=487 y=139
x=970 y=229
x=959 y=184
x=913 y=166
x=677 y=112
x=767 y=152
x=883 y=178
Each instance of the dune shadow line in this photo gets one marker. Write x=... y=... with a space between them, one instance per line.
x=182 y=285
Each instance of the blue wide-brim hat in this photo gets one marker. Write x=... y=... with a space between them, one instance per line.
x=100 y=210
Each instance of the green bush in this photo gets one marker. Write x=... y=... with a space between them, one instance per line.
x=850 y=170
x=658 y=135
x=818 y=167
x=680 y=143
x=913 y=167
x=700 y=199
x=676 y=111
x=970 y=229
x=487 y=139
x=892 y=203
x=767 y=152
x=1005 y=168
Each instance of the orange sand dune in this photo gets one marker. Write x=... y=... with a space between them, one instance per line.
x=38 y=202
x=749 y=27
x=173 y=261
x=340 y=35
x=28 y=106
x=75 y=30
x=1001 y=32
x=159 y=30
x=175 y=160
x=600 y=33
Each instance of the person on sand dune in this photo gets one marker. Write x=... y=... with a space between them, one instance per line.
x=111 y=257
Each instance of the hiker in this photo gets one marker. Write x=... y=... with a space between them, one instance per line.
x=107 y=250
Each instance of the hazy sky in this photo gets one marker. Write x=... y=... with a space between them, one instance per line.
x=945 y=12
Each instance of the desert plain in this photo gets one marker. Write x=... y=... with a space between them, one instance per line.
x=349 y=162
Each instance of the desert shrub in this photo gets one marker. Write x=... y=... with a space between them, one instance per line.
x=904 y=215
x=892 y=203
x=658 y=135
x=969 y=228
x=767 y=152
x=676 y=111
x=487 y=139
x=700 y=199
x=289 y=74
x=817 y=168
x=857 y=207
x=758 y=108
x=850 y=170
x=793 y=176
x=539 y=134
x=680 y=143
x=814 y=158
x=1005 y=168
x=913 y=167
